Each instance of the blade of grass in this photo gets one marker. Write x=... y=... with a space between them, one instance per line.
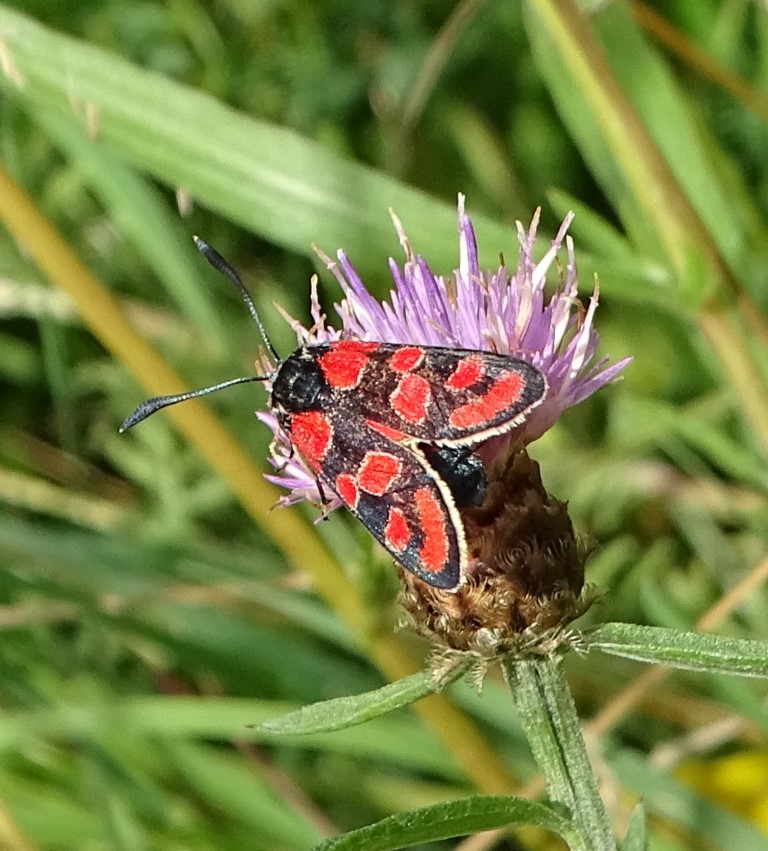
x=629 y=696
x=633 y=159
x=707 y=438
x=231 y=719
x=141 y=213
x=237 y=789
x=289 y=189
x=10 y=835
x=636 y=169
x=636 y=838
x=694 y=57
x=704 y=818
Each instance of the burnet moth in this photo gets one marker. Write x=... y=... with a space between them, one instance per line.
x=389 y=428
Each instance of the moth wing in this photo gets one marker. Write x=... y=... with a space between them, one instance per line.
x=400 y=500
x=446 y=396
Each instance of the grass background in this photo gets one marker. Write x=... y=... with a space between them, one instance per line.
x=152 y=606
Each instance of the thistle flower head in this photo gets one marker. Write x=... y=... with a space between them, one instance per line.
x=504 y=311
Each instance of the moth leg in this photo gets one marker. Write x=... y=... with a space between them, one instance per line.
x=323 y=498
x=325 y=501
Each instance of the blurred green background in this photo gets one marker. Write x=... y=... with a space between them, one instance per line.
x=152 y=607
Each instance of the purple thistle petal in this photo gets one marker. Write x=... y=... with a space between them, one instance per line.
x=469 y=267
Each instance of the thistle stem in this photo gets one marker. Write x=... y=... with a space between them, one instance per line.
x=549 y=718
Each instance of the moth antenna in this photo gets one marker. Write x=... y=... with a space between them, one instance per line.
x=146 y=409
x=221 y=265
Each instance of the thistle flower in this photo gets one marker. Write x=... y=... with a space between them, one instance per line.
x=519 y=533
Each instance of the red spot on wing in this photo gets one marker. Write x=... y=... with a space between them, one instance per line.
x=392 y=433
x=343 y=364
x=434 y=549
x=468 y=371
x=500 y=396
x=411 y=398
x=406 y=359
x=397 y=533
x=346 y=488
x=311 y=434
x=377 y=472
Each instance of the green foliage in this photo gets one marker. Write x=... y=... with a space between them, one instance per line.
x=347 y=711
x=687 y=650
x=452 y=818
x=154 y=637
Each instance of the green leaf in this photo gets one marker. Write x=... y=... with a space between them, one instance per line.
x=595 y=232
x=691 y=651
x=661 y=420
x=52 y=814
x=636 y=129
x=292 y=191
x=448 y=819
x=344 y=712
x=636 y=838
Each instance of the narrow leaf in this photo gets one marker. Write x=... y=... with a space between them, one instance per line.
x=449 y=819
x=661 y=420
x=635 y=129
x=173 y=718
x=691 y=651
x=229 y=785
x=636 y=838
x=344 y=712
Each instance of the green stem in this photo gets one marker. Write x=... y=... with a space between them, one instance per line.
x=549 y=719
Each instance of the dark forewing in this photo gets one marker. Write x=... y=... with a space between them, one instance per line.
x=439 y=395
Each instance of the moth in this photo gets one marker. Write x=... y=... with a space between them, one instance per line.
x=389 y=429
